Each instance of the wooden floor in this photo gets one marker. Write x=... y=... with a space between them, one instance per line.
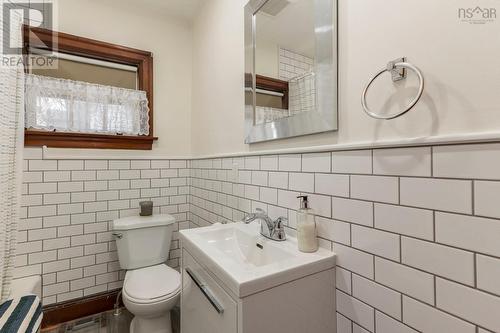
x=105 y=322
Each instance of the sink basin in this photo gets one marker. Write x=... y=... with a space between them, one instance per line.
x=247 y=262
x=245 y=248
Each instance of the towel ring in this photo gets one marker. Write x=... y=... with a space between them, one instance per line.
x=397 y=68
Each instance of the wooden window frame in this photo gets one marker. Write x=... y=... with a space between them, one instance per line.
x=270 y=84
x=90 y=48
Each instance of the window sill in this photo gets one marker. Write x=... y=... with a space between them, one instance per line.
x=85 y=140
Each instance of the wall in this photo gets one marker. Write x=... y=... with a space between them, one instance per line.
x=68 y=203
x=218 y=50
x=293 y=64
x=459 y=98
x=67 y=209
x=143 y=27
x=415 y=230
x=426 y=215
x=266 y=58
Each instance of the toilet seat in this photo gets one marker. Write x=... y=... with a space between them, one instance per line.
x=158 y=300
x=152 y=284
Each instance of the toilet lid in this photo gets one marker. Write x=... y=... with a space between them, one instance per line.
x=152 y=282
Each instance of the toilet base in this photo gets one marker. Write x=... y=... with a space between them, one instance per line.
x=160 y=324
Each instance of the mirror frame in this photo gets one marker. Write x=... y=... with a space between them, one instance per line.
x=325 y=118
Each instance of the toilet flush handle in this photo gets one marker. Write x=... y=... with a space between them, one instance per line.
x=117 y=235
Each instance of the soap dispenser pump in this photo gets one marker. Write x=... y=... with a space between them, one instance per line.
x=306 y=227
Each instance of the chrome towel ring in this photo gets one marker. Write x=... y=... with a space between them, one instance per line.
x=397 y=68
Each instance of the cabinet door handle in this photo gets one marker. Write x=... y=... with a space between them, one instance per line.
x=205 y=290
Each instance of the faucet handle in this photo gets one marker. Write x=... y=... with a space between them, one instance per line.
x=279 y=228
x=259 y=210
x=280 y=221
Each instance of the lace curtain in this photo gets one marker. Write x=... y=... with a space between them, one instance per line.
x=75 y=106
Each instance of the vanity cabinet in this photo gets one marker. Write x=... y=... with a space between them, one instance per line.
x=199 y=289
x=302 y=305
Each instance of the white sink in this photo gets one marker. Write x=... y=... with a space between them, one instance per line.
x=245 y=248
x=247 y=262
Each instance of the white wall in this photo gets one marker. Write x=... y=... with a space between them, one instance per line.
x=170 y=40
x=266 y=58
x=217 y=122
x=460 y=63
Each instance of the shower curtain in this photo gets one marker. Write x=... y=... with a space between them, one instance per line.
x=11 y=145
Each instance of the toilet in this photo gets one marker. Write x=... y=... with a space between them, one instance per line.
x=151 y=288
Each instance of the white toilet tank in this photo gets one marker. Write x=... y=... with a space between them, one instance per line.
x=143 y=241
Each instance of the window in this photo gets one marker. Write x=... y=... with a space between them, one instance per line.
x=74 y=106
x=84 y=69
x=99 y=96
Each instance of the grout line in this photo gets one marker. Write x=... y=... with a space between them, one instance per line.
x=432 y=162
x=434 y=225
x=473 y=199
x=399 y=191
x=400 y=238
x=328 y=217
x=209 y=183
x=403 y=295
x=475 y=270
x=371 y=161
x=435 y=290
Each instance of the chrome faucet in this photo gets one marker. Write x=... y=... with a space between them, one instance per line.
x=274 y=230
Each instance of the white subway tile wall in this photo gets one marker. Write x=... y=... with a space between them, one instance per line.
x=68 y=206
x=297 y=70
x=415 y=230
x=292 y=64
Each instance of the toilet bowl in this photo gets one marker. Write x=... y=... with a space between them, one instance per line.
x=151 y=288
x=149 y=294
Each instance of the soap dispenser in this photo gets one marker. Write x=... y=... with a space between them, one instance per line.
x=306 y=227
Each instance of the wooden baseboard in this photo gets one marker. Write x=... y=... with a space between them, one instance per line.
x=78 y=308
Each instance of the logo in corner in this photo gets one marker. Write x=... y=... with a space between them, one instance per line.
x=477 y=15
x=14 y=15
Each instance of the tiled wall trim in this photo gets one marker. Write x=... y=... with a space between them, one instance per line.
x=67 y=209
x=416 y=230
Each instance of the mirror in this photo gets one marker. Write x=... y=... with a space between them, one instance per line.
x=290 y=68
